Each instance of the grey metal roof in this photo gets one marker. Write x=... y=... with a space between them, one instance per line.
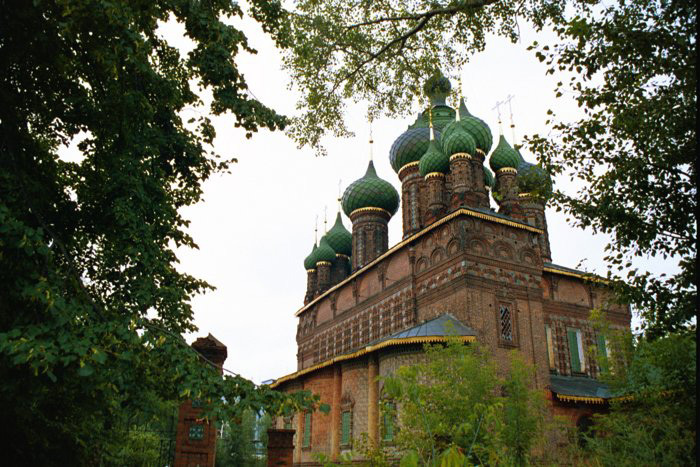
x=578 y=386
x=443 y=325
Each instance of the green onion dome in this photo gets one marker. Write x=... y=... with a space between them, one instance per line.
x=504 y=156
x=532 y=178
x=339 y=238
x=434 y=160
x=488 y=177
x=324 y=252
x=476 y=127
x=459 y=141
x=310 y=261
x=409 y=147
x=370 y=191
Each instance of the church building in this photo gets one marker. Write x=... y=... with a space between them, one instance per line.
x=462 y=268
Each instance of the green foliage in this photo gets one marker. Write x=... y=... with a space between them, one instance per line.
x=632 y=67
x=244 y=441
x=92 y=305
x=382 y=52
x=654 y=420
x=450 y=408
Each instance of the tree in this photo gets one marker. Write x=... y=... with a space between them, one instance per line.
x=653 y=421
x=633 y=71
x=381 y=52
x=239 y=443
x=92 y=305
x=455 y=402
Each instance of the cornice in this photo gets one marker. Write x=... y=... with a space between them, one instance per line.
x=412 y=238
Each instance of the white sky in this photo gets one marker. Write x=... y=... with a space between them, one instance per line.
x=255 y=225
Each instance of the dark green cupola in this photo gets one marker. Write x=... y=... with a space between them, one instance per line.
x=488 y=177
x=324 y=252
x=434 y=160
x=409 y=147
x=339 y=238
x=476 y=127
x=504 y=156
x=459 y=142
x=370 y=191
x=310 y=261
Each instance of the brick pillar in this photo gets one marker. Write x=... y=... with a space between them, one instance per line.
x=195 y=440
x=460 y=168
x=340 y=269
x=280 y=447
x=533 y=211
x=323 y=271
x=373 y=400
x=436 y=197
x=480 y=194
x=410 y=198
x=508 y=189
x=335 y=412
x=310 y=285
x=370 y=235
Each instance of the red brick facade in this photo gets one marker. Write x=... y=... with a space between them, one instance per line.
x=489 y=270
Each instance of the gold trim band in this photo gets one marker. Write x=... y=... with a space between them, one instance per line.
x=407 y=166
x=507 y=170
x=366 y=350
x=435 y=175
x=480 y=151
x=323 y=263
x=460 y=155
x=311 y=270
x=340 y=255
x=588 y=400
x=369 y=209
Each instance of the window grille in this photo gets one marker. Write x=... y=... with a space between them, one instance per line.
x=506 y=324
x=196 y=432
x=346 y=428
x=306 y=440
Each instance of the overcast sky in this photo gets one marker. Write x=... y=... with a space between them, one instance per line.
x=255 y=225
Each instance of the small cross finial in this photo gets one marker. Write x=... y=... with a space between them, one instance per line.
x=316 y=230
x=497 y=108
x=371 y=142
x=509 y=100
x=340 y=191
x=325 y=220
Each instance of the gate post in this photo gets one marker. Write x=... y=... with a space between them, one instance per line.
x=280 y=447
x=195 y=441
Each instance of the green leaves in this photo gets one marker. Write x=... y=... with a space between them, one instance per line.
x=451 y=413
x=634 y=75
x=382 y=52
x=87 y=247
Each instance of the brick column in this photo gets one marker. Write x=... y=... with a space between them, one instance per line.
x=195 y=441
x=373 y=400
x=280 y=447
x=410 y=198
x=480 y=194
x=436 y=197
x=335 y=412
x=370 y=235
x=460 y=168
